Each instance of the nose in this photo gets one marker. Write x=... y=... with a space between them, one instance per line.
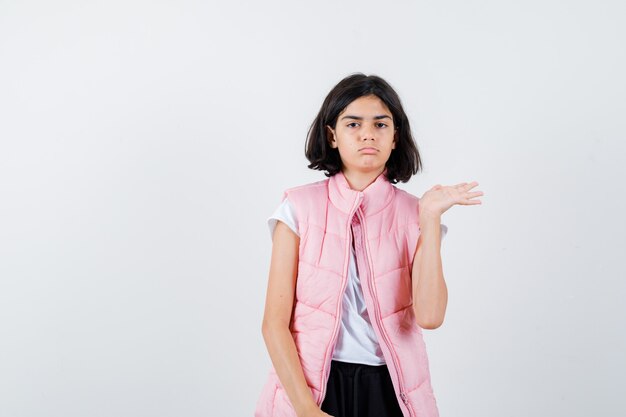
x=367 y=133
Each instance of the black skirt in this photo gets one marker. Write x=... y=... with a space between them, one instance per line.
x=358 y=390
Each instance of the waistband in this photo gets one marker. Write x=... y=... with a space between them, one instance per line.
x=352 y=369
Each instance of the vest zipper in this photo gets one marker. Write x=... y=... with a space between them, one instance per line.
x=344 y=282
x=377 y=314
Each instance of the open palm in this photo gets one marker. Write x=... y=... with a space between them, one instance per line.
x=441 y=197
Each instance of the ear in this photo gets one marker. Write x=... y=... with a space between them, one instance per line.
x=330 y=135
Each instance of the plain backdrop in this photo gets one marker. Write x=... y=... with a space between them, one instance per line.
x=143 y=144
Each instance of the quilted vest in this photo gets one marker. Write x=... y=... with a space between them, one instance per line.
x=383 y=221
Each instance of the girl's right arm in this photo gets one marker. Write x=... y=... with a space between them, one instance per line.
x=278 y=309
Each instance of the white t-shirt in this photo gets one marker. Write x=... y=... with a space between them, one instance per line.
x=356 y=342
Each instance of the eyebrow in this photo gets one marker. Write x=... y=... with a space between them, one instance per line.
x=382 y=116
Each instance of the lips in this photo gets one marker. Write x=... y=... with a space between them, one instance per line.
x=368 y=150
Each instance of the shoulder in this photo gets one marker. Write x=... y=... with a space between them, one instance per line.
x=309 y=186
x=406 y=199
x=306 y=199
x=409 y=206
x=306 y=191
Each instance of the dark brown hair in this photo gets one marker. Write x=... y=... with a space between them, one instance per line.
x=404 y=160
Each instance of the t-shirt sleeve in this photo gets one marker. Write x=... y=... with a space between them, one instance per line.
x=444 y=231
x=286 y=214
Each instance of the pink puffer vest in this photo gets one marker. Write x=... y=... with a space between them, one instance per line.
x=385 y=224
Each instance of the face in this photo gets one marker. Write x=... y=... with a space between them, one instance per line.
x=364 y=135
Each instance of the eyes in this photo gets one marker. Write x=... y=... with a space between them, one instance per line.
x=379 y=125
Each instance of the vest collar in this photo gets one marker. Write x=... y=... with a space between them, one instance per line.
x=374 y=198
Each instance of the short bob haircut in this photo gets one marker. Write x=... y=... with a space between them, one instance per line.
x=404 y=160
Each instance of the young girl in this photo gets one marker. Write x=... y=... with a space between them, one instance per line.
x=356 y=270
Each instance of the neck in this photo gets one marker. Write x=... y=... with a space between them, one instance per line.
x=359 y=181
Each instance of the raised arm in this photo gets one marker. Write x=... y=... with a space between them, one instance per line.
x=430 y=293
x=278 y=309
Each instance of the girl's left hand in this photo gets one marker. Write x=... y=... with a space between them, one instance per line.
x=441 y=197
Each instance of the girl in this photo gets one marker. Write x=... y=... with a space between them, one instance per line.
x=356 y=270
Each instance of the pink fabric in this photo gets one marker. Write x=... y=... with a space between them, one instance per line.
x=385 y=223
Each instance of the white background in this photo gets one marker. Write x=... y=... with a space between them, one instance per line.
x=144 y=144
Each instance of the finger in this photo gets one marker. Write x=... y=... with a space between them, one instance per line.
x=459 y=184
x=469 y=202
x=469 y=186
